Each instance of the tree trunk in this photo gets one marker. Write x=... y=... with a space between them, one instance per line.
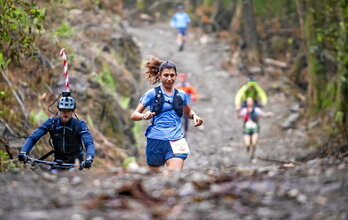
x=250 y=33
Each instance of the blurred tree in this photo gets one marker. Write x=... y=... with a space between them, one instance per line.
x=325 y=32
x=250 y=33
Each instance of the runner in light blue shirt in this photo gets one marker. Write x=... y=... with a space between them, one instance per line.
x=167 y=125
x=167 y=106
x=180 y=21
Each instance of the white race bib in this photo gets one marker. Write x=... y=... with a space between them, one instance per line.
x=180 y=146
x=250 y=124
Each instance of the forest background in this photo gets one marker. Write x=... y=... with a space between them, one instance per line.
x=305 y=40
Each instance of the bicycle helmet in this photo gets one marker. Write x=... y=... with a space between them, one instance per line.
x=66 y=103
x=251 y=81
x=180 y=7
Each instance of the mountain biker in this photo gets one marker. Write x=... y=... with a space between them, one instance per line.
x=190 y=92
x=68 y=136
x=180 y=21
x=251 y=128
x=165 y=139
x=253 y=90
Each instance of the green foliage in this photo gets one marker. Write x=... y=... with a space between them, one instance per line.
x=3 y=62
x=208 y=2
x=105 y=78
x=6 y=163
x=339 y=117
x=138 y=132
x=125 y=102
x=326 y=36
x=128 y=161
x=37 y=117
x=20 y=22
x=274 y=9
x=90 y=121
x=65 y=30
x=141 y=5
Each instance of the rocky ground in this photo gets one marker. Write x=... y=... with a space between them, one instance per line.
x=218 y=182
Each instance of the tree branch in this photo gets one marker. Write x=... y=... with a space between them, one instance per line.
x=19 y=101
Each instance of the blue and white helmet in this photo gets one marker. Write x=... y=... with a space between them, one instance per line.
x=66 y=103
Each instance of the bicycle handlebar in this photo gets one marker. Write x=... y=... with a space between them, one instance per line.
x=54 y=164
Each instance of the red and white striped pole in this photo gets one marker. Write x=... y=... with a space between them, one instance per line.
x=66 y=75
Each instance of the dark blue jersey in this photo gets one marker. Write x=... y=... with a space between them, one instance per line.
x=67 y=139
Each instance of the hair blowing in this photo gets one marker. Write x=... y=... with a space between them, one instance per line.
x=152 y=73
x=155 y=67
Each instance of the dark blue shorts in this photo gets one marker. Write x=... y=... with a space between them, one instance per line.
x=159 y=151
x=181 y=31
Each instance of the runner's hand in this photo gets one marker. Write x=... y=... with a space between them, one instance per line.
x=197 y=121
x=148 y=115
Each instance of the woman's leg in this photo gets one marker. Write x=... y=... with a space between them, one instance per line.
x=175 y=163
x=254 y=139
x=154 y=168
x=247 y=141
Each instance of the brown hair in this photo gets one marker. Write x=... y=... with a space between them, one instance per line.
x=154 y=67
x=152 y=72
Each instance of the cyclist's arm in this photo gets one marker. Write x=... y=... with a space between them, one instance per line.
x=262 y=95
x=239 y=95
x=87 y=139
x=35 y=136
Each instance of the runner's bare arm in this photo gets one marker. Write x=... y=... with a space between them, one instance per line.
x=138 y=114
x=192 y=115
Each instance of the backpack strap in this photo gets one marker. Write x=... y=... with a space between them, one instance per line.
x=178 y=103
x=159 y=101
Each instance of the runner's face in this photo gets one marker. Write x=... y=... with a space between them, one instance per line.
x=168 y=77
x=182 y=79
x=250 y=102
x=65 y=115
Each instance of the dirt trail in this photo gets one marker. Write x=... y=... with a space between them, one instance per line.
x=219 y=142
x=218 y=181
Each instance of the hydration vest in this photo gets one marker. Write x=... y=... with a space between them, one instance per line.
x=65 y=140
x=252 y=116
x=178 y=103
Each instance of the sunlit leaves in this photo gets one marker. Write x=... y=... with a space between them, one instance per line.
x=20 y=22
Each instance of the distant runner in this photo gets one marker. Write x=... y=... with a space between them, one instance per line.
x=166 y=144
x=190 y=92
x=180 y=21
x=251 y=127
x=253 y=90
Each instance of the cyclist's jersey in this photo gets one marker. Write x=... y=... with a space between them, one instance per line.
x=166 y=125
x=257 y=93
x=189 y=90
x=180 y=20
x=63 y=140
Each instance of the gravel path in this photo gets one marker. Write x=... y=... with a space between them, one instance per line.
x=219 y=142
